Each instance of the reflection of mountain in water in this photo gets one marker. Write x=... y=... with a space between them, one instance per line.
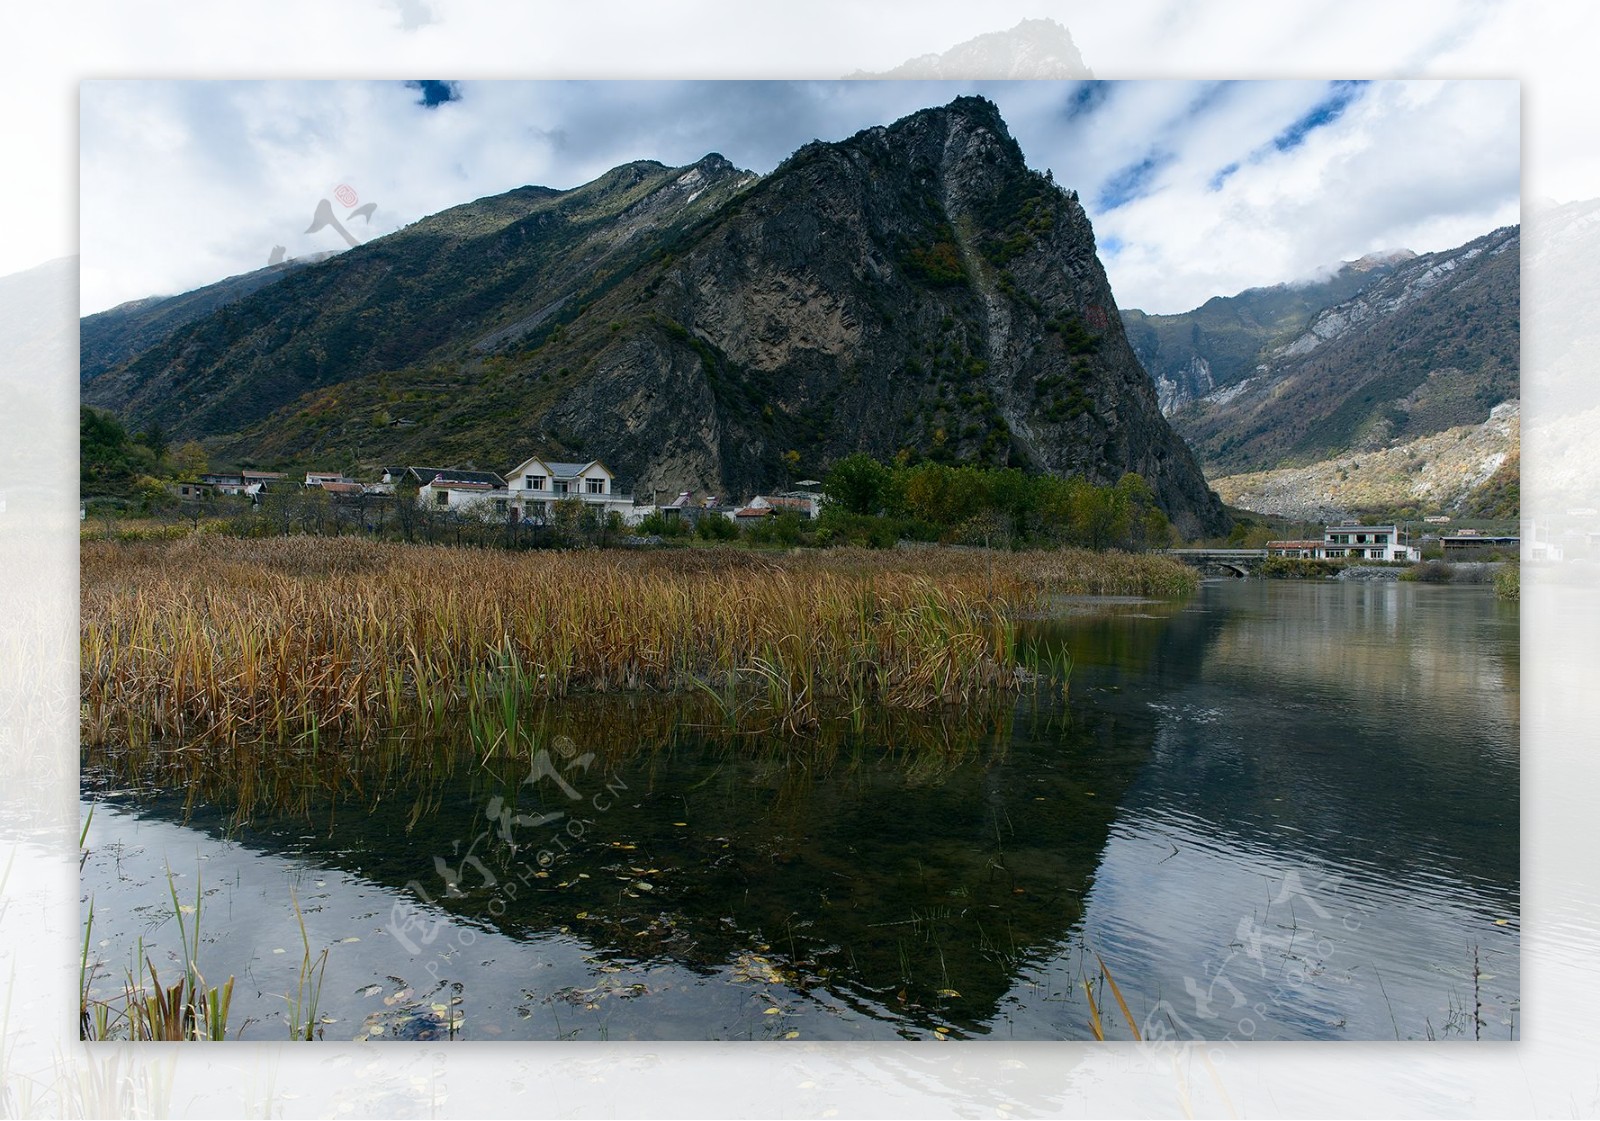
x=1370 y=724
x=903 y=881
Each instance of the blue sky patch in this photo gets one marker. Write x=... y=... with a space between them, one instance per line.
x=1131 y=182
x=434 y=93
x=1324 y=112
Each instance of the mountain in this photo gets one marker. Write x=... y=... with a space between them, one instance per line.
x=1035 y=48
x=111 y=337
x=1222 y=342
x=1469 y=471
x=1432 y=343
x=914 y=290
x=451 y=286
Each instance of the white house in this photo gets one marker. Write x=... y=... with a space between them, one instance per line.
x=1366 y=542
x=449 y=489
x=1353 y=542
x=536 y=483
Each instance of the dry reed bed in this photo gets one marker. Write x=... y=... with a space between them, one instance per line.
x=213 y=640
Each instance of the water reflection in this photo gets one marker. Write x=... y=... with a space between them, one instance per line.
x=1236 y=783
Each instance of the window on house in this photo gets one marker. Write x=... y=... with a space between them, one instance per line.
x=595 y=486
x=441 y=498
x=500 y=505
x=561 y=486
x=534 y=482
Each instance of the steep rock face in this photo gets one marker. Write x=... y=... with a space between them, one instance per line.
x=1193 y=354
x=912 y=290
x=1434 y=344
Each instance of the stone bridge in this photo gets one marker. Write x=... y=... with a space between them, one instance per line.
x=1221 y=562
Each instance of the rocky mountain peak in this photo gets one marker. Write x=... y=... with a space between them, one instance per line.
x=914 y=291
x=1380 y=259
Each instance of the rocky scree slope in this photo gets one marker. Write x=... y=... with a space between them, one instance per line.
x=1434 y=344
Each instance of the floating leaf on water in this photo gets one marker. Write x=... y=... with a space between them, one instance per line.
x=795 y=1035
x=680 y=824
x=948 y=992
x=772 y=1011
x=941 y=1031
x=376 y=1029
x=186 y=908
x=581 y=915
x=1497 y=922
x=352 y=938
x=441 y=1009
x=280 y=950
x=645 y=885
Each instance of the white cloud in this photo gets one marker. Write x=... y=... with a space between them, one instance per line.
x=183 y=183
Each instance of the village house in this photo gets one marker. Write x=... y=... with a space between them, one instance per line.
x=535 y=484
x=1469 y=544
x=250 y=483
x=1366 y=542
x=1350 y=542
x=448 y=489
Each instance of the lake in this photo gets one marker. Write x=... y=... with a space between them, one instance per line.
x=1274 y=810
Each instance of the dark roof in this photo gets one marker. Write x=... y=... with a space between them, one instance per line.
x=426 y=475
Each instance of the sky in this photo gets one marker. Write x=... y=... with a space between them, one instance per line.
x=1195 y=188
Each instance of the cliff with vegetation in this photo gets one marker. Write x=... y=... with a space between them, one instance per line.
x=914 y=292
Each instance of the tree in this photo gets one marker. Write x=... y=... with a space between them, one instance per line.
x=858 y=484
x=189 y=460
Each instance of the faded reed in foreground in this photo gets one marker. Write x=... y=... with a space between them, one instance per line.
x=313 y=640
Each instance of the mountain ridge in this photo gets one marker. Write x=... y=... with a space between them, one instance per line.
x=1417 y=346
x=913 y=290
